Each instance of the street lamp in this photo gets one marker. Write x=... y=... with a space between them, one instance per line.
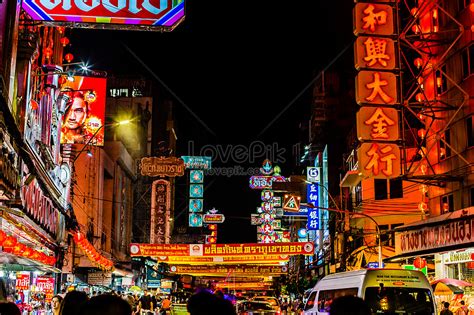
x=379 y=244
x=123 y=122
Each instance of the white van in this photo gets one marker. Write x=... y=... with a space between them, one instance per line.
x=387 y=291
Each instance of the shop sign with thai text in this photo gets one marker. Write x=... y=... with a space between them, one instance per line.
x=234 y=269
x=121 y=14
x=458 y=232
x=161 y=166
x=40 y=208
x=294 y=248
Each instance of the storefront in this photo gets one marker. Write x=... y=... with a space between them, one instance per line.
x=447 y=243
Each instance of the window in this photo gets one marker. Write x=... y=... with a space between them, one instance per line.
x=380 y=189
x=396 y=188
x=469 y=132
x=447 y=203
x=392 y=233
x=441 y=80
x=310 y=301
x=326 y=297
x=472 y=196
x=384 y=235
x=467 y=64
x=444 y=149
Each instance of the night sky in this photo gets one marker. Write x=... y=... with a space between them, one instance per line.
x=236 y=65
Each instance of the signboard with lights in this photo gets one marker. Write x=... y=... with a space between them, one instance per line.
x=162 y=15
x=84 y=113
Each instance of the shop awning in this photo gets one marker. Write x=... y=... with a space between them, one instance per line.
x=364 y=255
x=351 y=179
x=13 y=262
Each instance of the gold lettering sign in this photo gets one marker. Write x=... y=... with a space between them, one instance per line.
x=161 y=166
x=378 y=88
x=379 y=160
x=377 y=123
x=374 y=53
x=373 y=19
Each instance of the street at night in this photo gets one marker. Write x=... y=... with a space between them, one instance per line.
x=198 y=158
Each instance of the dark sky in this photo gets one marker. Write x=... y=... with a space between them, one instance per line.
x=237 y=65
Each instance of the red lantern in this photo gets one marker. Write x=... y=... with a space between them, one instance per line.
x=3 y=236
x=419 y=262
x=422 y=133
x=64 y=41
x=48 y=51
x=69 y=57
x=27 y=252
x=10 y=241
x=418 y=62
x=60 y=29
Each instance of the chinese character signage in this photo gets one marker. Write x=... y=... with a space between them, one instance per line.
x=196 y=177
x=196 y=191
x=312 y=194
x=377 y=90
x=160 y=212
x=375 y=53
x=127 y=15
x=373 y=87
x=379 y=160
x=372 y=18
x=313 y=219
x=377 y=123
x=83 y=119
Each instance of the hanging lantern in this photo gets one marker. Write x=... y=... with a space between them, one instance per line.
x=439 y=81
x=470 y=265
x=423 y=206
x=10 y=241
x=423 y=188
x=414 y=11
x=435 y=13
x=69 y=57
x=3 y=236
x=60 y=29
x=27 y=252
x=415 y=28
x=64 y=41
x=419 y=262
x=48 y=52
x=422 y=151
x=442 y=152
x=419 y=97
x=418 y=62
x=422 y=133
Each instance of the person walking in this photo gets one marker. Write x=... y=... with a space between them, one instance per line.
x=165 y=306
x=445 y=310
x=146 y=303
x=462 y=310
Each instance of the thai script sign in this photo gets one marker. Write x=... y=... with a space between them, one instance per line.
x=257 y=249
x=458 y=232
x=45 y=285
x=264 y=182
x=161 y=166
x=234 y=269
x=197 y=162
x=22 y=281
x=225 y=259
x=40 y=208
x=456 y=257
x=121 y=14
x=211 y=218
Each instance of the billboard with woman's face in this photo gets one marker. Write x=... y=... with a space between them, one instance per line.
x=84 y=111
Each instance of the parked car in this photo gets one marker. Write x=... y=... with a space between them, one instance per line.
x=274 y=302
x=256 y=308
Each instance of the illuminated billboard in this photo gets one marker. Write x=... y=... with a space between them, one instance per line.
x=83 y=118
x=159 y=15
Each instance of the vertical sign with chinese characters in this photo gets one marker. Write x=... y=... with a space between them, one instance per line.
x=377 y=89
x=160 y=212
x=196 y=165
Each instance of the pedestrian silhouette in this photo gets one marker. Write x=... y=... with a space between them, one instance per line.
x=9 y=308
x=349 y=305
x=106 y=304
x=72 y=302
x=206 y=303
